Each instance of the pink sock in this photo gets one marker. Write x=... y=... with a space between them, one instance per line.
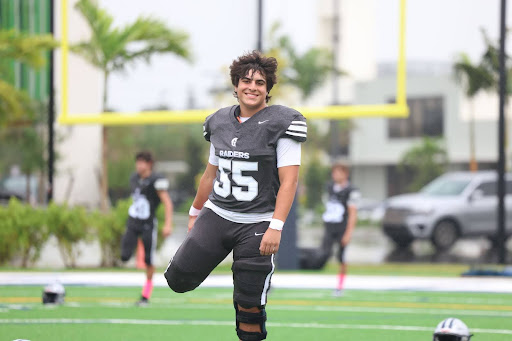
x=341 y=278
x=148 y=288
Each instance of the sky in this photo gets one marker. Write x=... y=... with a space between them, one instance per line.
x=437 y=31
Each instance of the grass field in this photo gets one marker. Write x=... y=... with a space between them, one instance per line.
x=108 y=313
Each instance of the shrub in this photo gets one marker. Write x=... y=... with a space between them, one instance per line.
x=8 y=233
x=32 y=232
x=69 y=226
x=109 y=229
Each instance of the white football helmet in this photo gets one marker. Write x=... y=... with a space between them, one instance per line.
x=451 y=329
x=54 y=294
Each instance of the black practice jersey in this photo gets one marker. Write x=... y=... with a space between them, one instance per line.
x=145 y=196
x=336 y=208
x=247 y=178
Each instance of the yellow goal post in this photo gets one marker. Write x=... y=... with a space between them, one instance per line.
x=393 y=110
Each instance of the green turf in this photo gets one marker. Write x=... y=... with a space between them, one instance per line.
x=207 y=314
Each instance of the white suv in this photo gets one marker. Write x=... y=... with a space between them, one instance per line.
x=455 y=205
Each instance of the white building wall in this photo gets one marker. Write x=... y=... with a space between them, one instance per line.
x=356 y=53
x=371 y=181
x=78 y=147
x=370 y=143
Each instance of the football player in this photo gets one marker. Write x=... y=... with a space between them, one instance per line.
x=148 y=190
x=245 y=193
x=340 y=217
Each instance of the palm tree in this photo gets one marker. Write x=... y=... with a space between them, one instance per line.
x=29 y=50
x=474 y=78
x=307 y=71
x=112 y=49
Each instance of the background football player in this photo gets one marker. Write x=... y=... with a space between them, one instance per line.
x=340 y=216
x=245 y=193
x=148 y=190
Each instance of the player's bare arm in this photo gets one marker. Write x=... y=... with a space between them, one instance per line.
x=168 y=209
x=204 y=189
x=288 y=178
x=351 y=224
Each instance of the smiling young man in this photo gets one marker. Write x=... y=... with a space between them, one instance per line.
x=245 y=193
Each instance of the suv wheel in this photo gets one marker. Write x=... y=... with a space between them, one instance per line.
x=445 y=235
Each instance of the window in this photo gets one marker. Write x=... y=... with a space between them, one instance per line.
x=488 y=188
x=425 y=119
x=446 y=186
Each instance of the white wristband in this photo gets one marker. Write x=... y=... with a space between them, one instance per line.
x=276 y=224
x=194 y=212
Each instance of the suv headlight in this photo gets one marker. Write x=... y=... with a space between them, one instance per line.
x=426 y=210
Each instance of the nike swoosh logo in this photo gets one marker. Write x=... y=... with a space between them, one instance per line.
x=261 y=122
x=259 y=234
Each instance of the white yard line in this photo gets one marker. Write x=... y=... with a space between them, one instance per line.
x=230 y=323
x=294 y=281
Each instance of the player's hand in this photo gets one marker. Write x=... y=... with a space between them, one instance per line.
x=345 y=239
x=270 y=242
x=167 y=231
x=191 y=221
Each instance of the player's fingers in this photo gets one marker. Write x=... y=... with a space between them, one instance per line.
x=264 y=248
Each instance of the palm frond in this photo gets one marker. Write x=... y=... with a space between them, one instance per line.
x=14 y=104
x=25 y=48
x=114 y=48
x=473 y=77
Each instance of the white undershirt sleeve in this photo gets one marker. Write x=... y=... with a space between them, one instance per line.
x=213 y=159
x=288 y=152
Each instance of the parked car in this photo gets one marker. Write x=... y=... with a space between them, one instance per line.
x=455 y=205
x=6 y=195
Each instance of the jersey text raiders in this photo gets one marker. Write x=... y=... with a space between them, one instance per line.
x=247 y=177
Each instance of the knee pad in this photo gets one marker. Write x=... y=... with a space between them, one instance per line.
x=251 y=318
x=180 y=281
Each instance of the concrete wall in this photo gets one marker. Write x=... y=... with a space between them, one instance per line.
x=371 y=181
x=78 y=147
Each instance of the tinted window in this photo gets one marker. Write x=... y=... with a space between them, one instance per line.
x=488 y=188
x=425 y=119
x=445 y=186
x=509 y=187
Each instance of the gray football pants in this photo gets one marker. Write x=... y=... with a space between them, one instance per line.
x=211 y=239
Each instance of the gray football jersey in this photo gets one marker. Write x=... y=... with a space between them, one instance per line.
x=247 y=179
x=145 y=196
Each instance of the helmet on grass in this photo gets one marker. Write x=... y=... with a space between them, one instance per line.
x=451 y=329
x=54 y=294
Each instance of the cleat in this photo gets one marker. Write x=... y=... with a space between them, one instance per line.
x=337 y=293
x=143 y=302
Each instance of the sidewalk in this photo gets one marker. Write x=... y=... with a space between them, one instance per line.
x=292 y=281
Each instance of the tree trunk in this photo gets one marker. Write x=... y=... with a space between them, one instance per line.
x=27 y=188
x=104 y=200
x=473 y=165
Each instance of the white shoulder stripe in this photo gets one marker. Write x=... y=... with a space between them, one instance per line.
x=299 y=122
x=161 y=184
x=297 y=128
x=204 y=133
x=295 y=134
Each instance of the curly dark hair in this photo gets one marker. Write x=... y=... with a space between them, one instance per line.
x=144 y=155
x=254 y=61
